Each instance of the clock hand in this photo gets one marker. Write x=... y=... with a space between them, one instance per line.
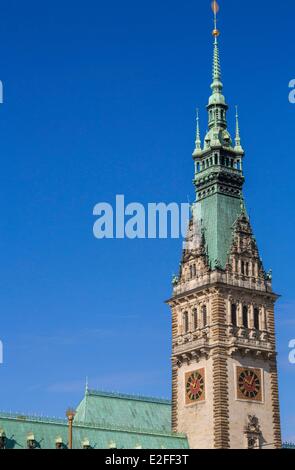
x=253 y=378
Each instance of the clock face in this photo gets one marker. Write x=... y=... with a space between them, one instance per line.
x=249 y=386
x=195 y=386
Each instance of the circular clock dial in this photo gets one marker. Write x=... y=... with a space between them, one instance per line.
x=195 y=386
x=249 y=384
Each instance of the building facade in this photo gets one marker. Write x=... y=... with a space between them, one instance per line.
x=224 y=368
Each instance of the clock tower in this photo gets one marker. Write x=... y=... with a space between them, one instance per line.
x=224 y=368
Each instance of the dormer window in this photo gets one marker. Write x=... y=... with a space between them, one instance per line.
x=86 y=444
x=59 y=443
x=31 y=442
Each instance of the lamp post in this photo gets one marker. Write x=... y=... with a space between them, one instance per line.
x=70 y=415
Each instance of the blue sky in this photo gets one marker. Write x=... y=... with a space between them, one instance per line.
x=99 y=100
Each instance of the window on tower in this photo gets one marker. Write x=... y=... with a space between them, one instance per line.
x=256 y=318
x=195 y=318
x=234 y=314
x=185 y=322
x=245 y=316
x=247 y=269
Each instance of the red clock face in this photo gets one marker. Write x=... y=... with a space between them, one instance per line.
x=195 y=387
x=249 y=384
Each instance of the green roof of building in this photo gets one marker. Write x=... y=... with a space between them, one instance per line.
x=106 y=420
x=115 y=409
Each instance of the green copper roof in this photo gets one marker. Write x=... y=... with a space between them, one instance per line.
x=125 y=410
x=106 y=420
x=218 y=213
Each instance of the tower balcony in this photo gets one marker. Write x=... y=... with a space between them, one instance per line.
x=187 y=286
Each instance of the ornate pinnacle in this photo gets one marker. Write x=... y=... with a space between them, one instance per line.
x=238 y=138
x=198 y=147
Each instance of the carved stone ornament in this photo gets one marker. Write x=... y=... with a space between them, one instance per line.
x=253 y=426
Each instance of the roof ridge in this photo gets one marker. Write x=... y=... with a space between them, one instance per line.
x=127 y=396
x=32 y=418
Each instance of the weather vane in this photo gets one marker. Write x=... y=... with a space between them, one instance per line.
x=215 y=9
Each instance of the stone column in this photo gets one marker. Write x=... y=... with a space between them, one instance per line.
x=240 y=314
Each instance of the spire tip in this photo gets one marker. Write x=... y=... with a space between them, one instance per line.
x=215 y=9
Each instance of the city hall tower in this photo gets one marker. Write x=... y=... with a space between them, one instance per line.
x=224 y=368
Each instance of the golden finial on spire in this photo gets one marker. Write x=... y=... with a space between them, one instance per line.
x=215 y=9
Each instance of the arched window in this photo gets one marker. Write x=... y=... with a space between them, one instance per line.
x=243 y=267
x=256 y=318
x=247 y=269
x=234 y=314
x=191 y=271
x=245 y=316
x=195 y=318
x=204 y=314
x=185 y=322
x=198 y=167
x=239 y=165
